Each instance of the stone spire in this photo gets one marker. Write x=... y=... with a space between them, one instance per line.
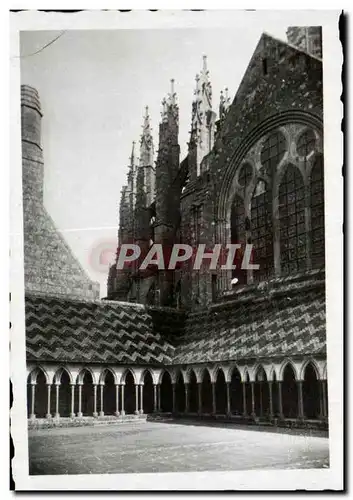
x=224 y=104
x=146 y=159
x=169 y=104
x=203 y=121
x=146 y=143
x=131 y=176
x=167 y=189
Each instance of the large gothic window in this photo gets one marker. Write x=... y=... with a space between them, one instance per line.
x=317 y=203
x=261 y=232
x=291 y=202
x=238 y=234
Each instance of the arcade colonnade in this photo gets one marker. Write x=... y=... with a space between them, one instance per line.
x=289 y=389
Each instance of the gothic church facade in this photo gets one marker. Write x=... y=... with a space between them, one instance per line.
x=183 y=341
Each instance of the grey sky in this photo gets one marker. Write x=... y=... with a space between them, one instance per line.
x=93 y=87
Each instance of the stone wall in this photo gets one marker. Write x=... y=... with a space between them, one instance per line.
x=50 y=266
x=281 y=85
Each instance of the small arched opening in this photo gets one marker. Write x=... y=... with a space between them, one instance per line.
x=236 y=393
x=180 y=393
x=261 y=394
x=109 y=397
x=40 y=395
x=65 y=395
x=221 y=393
x=166 y=393
x=193 y=393
x=130 y=394
x=311 y=392
x=289 y=393
x=87 y=396
x=147 y=392
x=206 y=393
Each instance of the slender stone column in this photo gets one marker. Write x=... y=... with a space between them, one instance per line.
x=253 y=414
x=95 y=414
x=122 y=400
x=57 y=414
x=136 y=399
x=245 y=413
x=116 y=413
x=300 y=400
x=101 y=413
x=228 y=399
x=187 y=402
x=79 y=413
x=141 y=399
x=72 y=413
x=321 y=399
x=324 y=400
x=270 y=397
x=33 y=396
x=280 y=406
x=48 y=415
x=214 y=408
x=261 y=403
x=159 y=397
x=199 y=393
x=174 y=397
x=154 y=398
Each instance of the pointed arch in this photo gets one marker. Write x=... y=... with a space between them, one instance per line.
x=82 y=372
x=148 y=391
x=206 y=391
x=59 y=372
x=86 y=379
x=146 y=370
x=261 y=391
x=221 y=391
x=236 y=391
x=283 y=366
x=37 y=386
x=64 y=379
x=180 y=392
x=305 y=364
x=166 y=392
x=311 y=391
x=290 y=391
x=125 y=374
x=33 y=374
x=215 y=372
x=193 y=391
x=161 y=375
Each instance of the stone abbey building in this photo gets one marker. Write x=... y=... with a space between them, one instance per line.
x=184 y=341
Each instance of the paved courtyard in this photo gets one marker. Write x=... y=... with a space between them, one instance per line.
x=168 y=447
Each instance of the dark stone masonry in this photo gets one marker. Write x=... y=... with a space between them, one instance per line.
x=186 y=342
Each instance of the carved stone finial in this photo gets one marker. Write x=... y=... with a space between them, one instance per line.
x=204 y=63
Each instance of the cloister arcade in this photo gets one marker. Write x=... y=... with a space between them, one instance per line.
x=288 y=390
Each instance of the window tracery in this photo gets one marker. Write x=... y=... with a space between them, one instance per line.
x=292 y=221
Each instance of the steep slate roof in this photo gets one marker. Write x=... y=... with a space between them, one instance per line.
x=74 y=330
x=285 y=319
